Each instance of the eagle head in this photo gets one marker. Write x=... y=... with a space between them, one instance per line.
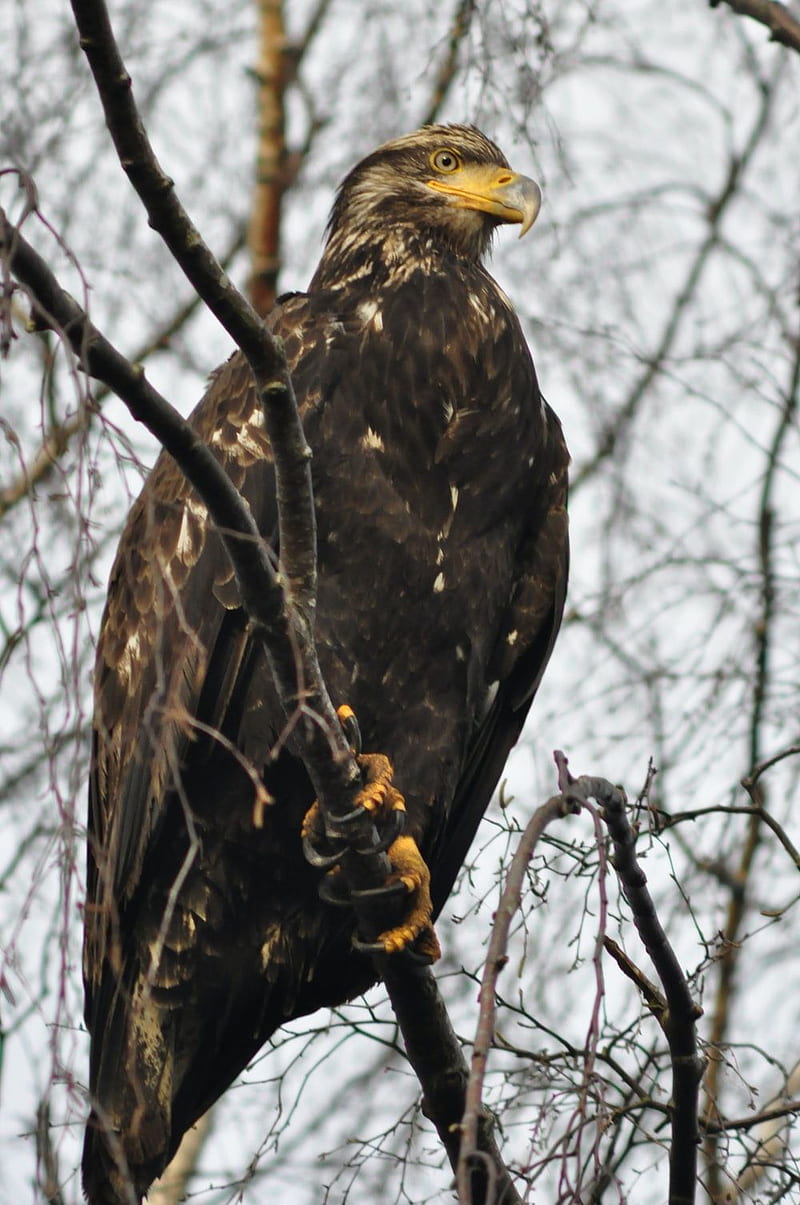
x=449 y=183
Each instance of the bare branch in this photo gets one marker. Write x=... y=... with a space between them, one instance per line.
x=740 y=875
x=263 y=237
x=667 y=820
x=459 y=29
x=169 y=218
x=48 y=1175
x=435 y=1053
x=59 y=438
x=469 y=1168
x=750 y=779
x=717 y=208
x=678 y=1020
x=782 y=26
x=280 y=621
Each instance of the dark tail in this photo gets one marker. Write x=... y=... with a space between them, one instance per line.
x=128 y=1140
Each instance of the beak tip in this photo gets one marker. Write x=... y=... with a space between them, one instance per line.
x=531 y=204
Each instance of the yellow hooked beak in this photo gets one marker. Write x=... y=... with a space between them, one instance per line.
x=492 y=189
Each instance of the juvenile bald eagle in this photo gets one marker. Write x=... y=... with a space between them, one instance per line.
x=440 y=480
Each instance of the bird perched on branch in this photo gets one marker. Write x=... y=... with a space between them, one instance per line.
x=440 y=482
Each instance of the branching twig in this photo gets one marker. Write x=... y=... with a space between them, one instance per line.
x=669 y=820
x=740 y=874
x=716 y=209
x=678 y=1020
x=267 y=364
x=675 y=1011
x=60 y=437
x=469 y=1169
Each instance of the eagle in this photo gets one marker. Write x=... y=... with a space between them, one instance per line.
x=440 y=485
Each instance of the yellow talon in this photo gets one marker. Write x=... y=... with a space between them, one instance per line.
x=380 y=798
x=410 y=869
x=310 y=821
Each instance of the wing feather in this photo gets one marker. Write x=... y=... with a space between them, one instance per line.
x=170 y=591
x=519 y=660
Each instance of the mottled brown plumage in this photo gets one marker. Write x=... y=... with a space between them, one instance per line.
x=440 y=479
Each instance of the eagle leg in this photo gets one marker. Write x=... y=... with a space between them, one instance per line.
x=325 y=842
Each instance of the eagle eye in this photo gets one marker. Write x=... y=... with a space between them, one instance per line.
x=445 y=161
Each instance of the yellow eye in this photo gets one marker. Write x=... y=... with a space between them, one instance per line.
x=445 y=161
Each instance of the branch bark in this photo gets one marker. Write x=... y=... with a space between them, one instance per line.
x=740 y=875
x=263 y=235
x=681 y=1013
x=782 y=26
x=472 y=1181
x=61 y=436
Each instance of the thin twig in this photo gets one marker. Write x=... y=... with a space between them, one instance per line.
x=670 y=820
x=618 y=427
x=59 y=438
x=750 y=779
x=740 y=875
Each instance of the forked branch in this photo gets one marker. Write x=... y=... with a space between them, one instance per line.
x=676 y=1011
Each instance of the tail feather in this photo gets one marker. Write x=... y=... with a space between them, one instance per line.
x=128 y=1139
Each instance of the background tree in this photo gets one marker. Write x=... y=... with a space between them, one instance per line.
x=660 y=290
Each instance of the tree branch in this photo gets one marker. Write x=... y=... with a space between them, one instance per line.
x=679 y=1017
x=170 y=1187
x=740 y=875
x=462 y=19
x=281 y=617
x=263 y=235
x=59 y=437
x=782 y=26
x=716 y=210
x=471 y=1170
x=267 y=363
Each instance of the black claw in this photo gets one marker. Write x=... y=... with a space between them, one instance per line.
x=390 y=831
x=352 y=732
x=387 y=892
x=416 y=959
x=333 y=891
x=336 y=826
x=320 y=860
x=367 y=947
x=408 y=954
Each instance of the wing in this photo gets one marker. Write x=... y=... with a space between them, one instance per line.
x=173 y=643
x=519 y=660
